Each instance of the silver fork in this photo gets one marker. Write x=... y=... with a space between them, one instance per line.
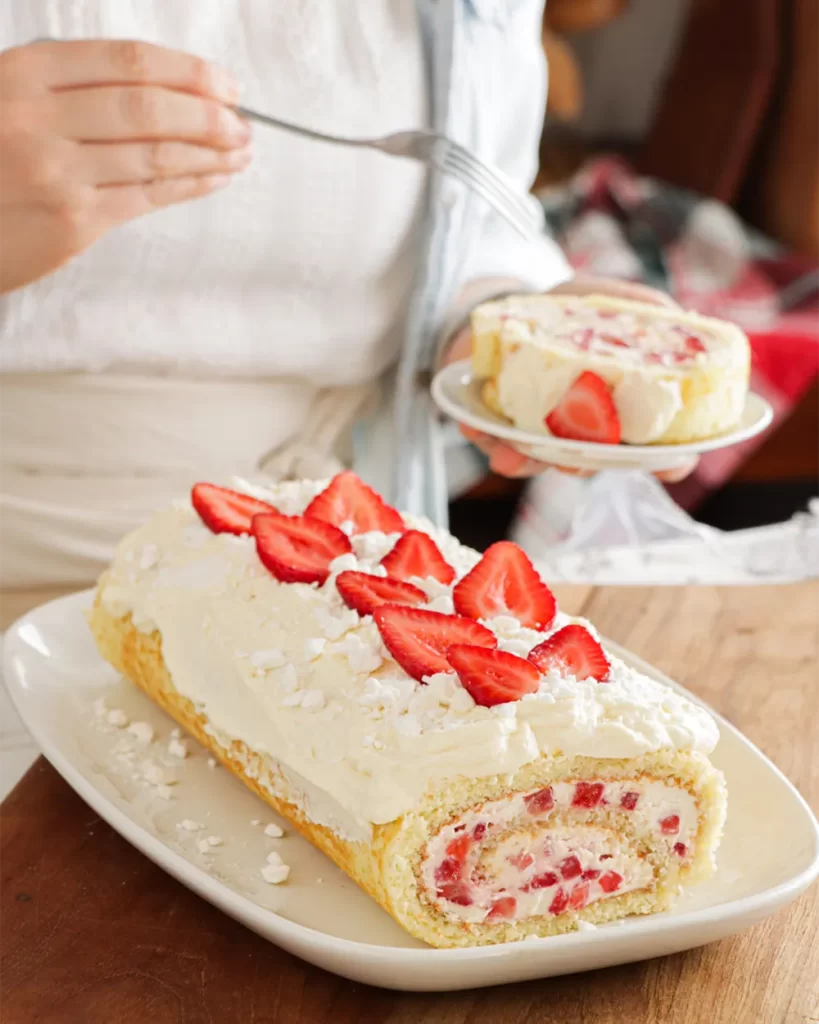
x=445 y=155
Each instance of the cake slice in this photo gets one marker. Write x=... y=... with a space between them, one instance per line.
x=609 y=370
x=467 y=753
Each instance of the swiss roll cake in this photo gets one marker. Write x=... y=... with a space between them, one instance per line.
x=470 y=755
x=608 y=370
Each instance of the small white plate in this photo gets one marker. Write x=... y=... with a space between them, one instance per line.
x=457 y=393
x=54 y=675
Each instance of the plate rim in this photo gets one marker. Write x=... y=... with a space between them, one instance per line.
x=217 y=893
x=461 y=371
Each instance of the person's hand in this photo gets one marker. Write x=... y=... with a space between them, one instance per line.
x=94 y=133
x=507 y=461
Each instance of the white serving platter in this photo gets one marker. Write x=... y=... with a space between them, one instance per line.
x=770 y=853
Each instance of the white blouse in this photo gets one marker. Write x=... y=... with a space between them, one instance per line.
x=303 y=266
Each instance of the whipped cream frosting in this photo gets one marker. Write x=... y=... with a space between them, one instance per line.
x=296 y=675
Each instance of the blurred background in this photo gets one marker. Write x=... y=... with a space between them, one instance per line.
x=681 y=147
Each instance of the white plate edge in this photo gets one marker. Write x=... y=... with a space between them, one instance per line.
x=590 y=449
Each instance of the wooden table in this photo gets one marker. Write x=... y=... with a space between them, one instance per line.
x=93 y=933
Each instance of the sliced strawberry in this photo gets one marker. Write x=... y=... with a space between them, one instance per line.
x=348 y=499
x=505 y=582
x=364 y=593
x=419 y=639
x=628 y=801
x=296 y=549
x=586 y=412
x=573 y=651
x=225 y=511
x=490 y=676
x=417 y=554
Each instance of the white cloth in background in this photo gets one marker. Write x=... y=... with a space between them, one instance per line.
x=622 y=528
x=86 y=458
x=302 y=267
x=237 y=334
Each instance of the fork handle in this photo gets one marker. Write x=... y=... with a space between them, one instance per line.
x=273 y=122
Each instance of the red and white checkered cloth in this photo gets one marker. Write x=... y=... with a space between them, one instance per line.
x=611 y=221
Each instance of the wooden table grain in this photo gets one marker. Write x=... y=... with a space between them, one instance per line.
x=91 y=932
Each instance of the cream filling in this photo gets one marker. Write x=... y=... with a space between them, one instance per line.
x=532 y=382
x=515 y=854
x=646 y=407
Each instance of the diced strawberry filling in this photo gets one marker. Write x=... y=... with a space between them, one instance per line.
x=579 y=896
x=610 y=881
x=448 y=870
x=577 y=879
x=583 y=337
x=587 y=794
x=504 y=907
x=650 y=340
x=693 y=345
x=560 y=902
x=570 y=868
x=459 y=848
x=532 y=866
x=671 y=825
x=541 y=801
x=544 y=881
x=456 y=892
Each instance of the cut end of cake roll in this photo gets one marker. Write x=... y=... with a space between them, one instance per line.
x=471 y=756
x=577 y=840
x=672 y=377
